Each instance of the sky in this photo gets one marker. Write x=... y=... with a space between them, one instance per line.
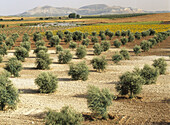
x=12 y=7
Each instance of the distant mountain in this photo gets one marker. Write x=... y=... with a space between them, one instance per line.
x=95 y=9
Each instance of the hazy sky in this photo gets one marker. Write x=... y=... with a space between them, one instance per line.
x=9 y=7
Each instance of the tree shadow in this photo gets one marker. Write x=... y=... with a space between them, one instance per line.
x=33 y=57
x=65 y=79
x=166 y=100
x=29 y=68
x=90 y=54
x=56 y=63
x=80 y=96
x=28 y=91
x=161 y=123
x=93 y=70
x=112 y=83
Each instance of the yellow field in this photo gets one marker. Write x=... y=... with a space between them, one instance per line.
x=132 y=27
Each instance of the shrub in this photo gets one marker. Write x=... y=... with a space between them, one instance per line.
x=149 y=74
x=138 y=35
x=37 y=36
x=60 y=34
x=9 y=42
x=68 y=38
x=79 y=71
x=8 y=93
x=14 y=36
x=99 y=63
x=26 y=45
x=67 y=116
x=107 y=32
x=130 y=84
x=131 y=38
x=2 y=37
x=21 y=53
x=77 y=36
x=72 y=45
x=152 y=41
x=3 y=49
x=85 y=42
x=123 y=33
x=160 y=64
x=40 y=43
x=145 y=33
x=117 y=43
x=105 y=45
x=97 y=49
x=94 y=39
x=103 y=37
x=110 y=34
x=145 y=45
x=55 y=40
x=117 y=33
x=44 y=48
x=13 y=66
x=58 y=49
x=1 y=59
x=46 y=82
x=152 y=32
x=85 y=35
x=67 y=32
x=65 y=57
x=98 y=101
x=128 y=32
x=125 y=54
x=43 y=60
x=48 y=34
x=81 y=52
x=124 y=40
x=25 y=37
x=94 y=33
x=117 y=58
x=101 y=32
x=137 y=49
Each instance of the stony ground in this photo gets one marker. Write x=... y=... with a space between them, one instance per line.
x=153 y=108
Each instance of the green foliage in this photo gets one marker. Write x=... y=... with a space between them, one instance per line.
x=3 y=49
x=105 y=45
x=117 y=57
x=58 y=49
x=145 y=45
x=44 y=48
x=94 y=39
x=137 y=49
x=98 y=101
x=124 y=40
x=94 y=33
x=40 y=43
x=55 y=40
x=1 y=59
x=117 y=43
x=37 y=36
x=25 y=37
x=85 y=42
x=110 y=34
x=117 y=33
x=145 y=33
x=8 y=93
x=149 y=74
x=130 y=83
x=101 y=32
x=97 y=49
x=2 y=37
x=131 y=38
x=77 y=36
x=46 y=82
x=99 y=63
x=160 y=64
x=26 y=45
x=103 y=37
x=123 y=33
x=138 y=35
x=48 y=34
x=125 y=54
x=152 y=41
x=79 y=71
x=60 y=34
x=43 y=60
x=9 y=42
x=152 y=32
x=72 y=45
x=65 y=57
x=14 y=36
x=81 y=52
x=68 y=38
x=67 y=116
x=21 y=53
x=85 y=35
x=13 y=66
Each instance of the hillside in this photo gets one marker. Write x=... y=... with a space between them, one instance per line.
x=95 y=9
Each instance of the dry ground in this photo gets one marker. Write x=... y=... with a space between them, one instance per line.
x=153 y=108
